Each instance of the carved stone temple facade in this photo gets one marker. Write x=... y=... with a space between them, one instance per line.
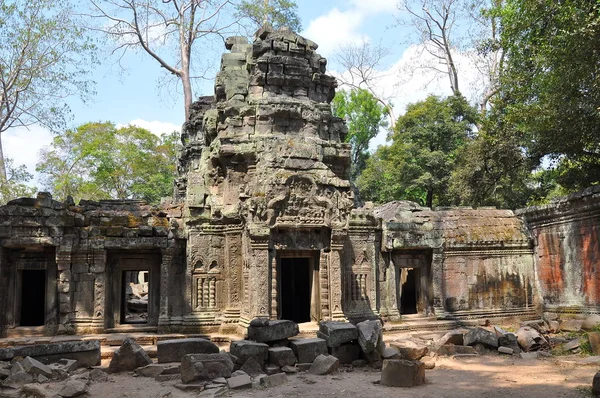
x=263 y=224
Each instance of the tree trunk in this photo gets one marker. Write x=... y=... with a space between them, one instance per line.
x=3 y=178
x=429 y=200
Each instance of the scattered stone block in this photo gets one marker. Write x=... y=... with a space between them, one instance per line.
x=451 y=350
x=455 y=337
x=251 y=367
x=35 y=367
x=509 y=340
x=273 y=331
x=553 y=326
x=505 y=350
x=571 y=325
x=4 y=373
x=346 y=353
x=402 y=373
x=244 y=349
x=174 y=350
x=529 y=355
x=290 y=369
x=391 y=353
x=128 y=357
x=69 y=365
x=274 y=380
x=370 y=336
x=481 y=336
x=303 y=367
x=214 y=392
x=239 y=382
x=594 y=339
x=190 y=387
x=238 y=373
x=17 y=379
x=155 y=369
x=529 y=339
x=33 y=390
x=324 y=365
x=98 y=376
x=307 y=350
x=410 y=349
x=591 y=322
x=428 y=362
x=281 y=356
x=205 y=367
x=337 y=333
x=571 y=345
x=73 y=388
x=86 y=352
x=272 y=369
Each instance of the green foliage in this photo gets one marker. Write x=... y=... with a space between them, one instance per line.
x=418 y=164
x=44 y=57
x=98 y=161
x=550 y=89
x=16 y=184
x=279 y=13
x=364 y=116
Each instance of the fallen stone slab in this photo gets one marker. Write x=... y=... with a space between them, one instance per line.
x=337 y=333
x=506 y=350
x=35 y=367
x=571 y=345
x=272 y=369
x=281 y=356
x=33 y=390
x=480 y=336
x=4 y=373
x=410 y=349
x=68 y=365
x=244 y=349
x=530 y=339
x=128 y=357
x=17 y=379
x=324 y=365
x=73 y=388
x=346 y=353
x=275 y=380
x=290 y=369
x=86 y=353
x=196 y=367
x=509 y=340
x=402 y=373
x=370 y=336
x=214 y=392
x=591 y=322
x=273 y=331
x=174 y=350
x=190 y=387
x=454 y=337
x=239 y=382
x=571 y=325
x=155 y=369
x=307 y=350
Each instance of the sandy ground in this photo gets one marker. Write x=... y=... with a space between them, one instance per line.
x=486 y=376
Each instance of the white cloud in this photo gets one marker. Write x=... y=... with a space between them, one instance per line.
x=23 y=145
x=155 y=127
x=376 y=6
x=335 y=29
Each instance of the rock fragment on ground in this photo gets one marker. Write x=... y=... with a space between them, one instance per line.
x=196 y=367
x=73 y=388
x=275 y=380
x=128 y=357
x=324 y=365
x=402 y=373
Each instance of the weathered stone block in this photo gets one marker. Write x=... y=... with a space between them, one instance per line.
x=35 y=367
x=480 y=335
x=324 y=365
x=307 y=350
x=128 y=357
x=281 y=356
x=402 y=373
x=205 y=367
x=251 y=367
x=346 y=353
x=86 y=353
x=275 y=380
x=337 y=333
x=273 y=331
x=155 y=369
x=239 y=382
x=370 y=336
x=449 y=350
x=174 y=350
x=244 y=349
x=591 y=322
x=410 y=349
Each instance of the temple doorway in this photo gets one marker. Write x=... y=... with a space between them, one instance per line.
x=409 y=296
x=298 y=287
x=33 y=297
x=413 y=281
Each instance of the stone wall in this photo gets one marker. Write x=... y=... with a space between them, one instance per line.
x=567 y=251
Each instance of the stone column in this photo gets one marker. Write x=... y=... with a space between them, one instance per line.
x=97 y=264
x=274 y=286
x=324 y=279
x=3 y=297
x=165 y=267
x=335 y=275
x=437 y=281
x=65 y=308
x=260 y=270
x=389 y=287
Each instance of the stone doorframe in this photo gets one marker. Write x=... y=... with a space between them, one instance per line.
x=420 y=260
x=315 y=296
x=119 y=261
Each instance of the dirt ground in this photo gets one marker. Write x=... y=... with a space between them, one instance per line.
x=485 y=376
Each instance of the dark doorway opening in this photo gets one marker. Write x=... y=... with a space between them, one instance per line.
x=135 y=296
x=295 y=289
x=33 y=297
x=408 y=297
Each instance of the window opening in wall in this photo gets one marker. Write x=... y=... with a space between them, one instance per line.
x=135 y=296
x=408 y=297
x=33 y=297
x=295 y=289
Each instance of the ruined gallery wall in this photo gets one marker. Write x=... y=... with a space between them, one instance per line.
x=478 y=262
x=567 y=250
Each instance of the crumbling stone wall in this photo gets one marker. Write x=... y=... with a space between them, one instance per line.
x=567 y=250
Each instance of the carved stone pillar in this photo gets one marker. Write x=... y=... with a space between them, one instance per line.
x=97 y=261
x=437 y=281
x=324 y=271
x=389 y=288
x=260 y=274
x=335 y=275
x=165 y=267
x=63 y=286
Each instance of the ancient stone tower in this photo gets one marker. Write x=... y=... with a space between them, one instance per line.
x=265 y=182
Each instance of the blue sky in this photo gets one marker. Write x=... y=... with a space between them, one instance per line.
x=135 y=95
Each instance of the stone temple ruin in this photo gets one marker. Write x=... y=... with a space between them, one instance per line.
x=263 y=224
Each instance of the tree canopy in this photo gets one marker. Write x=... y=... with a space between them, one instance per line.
x=97 y=160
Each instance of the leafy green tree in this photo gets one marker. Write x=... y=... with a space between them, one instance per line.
x=364 y=116
x=97 y=160
x=550 y=90
x=418 y=163
x=277 y=13
x=16 y=185
x=44 y=58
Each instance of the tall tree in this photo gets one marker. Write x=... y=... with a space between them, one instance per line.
x=364 y=116
x=277 y=13
x=418 y=163
x=97 y=160
x=16 y=184
x=44 y=58
x=550 y=90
